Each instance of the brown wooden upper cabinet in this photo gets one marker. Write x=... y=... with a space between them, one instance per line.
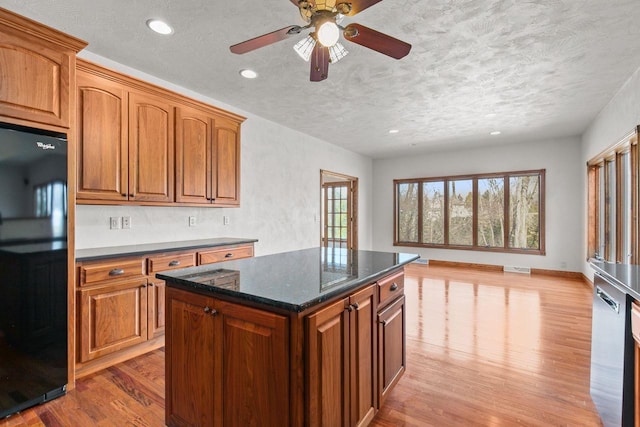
x=138 y=144
x=37 y=67
x=125 y=143
x=151 y=169
x=103 y=139
x=207 y=158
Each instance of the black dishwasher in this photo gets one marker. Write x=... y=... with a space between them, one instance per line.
x=611 y=354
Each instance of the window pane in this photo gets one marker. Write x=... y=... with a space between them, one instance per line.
x=524 y=204
x=601 y=209
x=491 y=212
x=408 y=212
x=433 y=212
x=610 y=203
x=461 y=212
x=625 y=164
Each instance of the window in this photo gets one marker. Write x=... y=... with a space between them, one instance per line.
x=336 y=202
x=496 y=212
x=613 y=203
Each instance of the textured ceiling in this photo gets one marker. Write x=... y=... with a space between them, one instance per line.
x=545 y=68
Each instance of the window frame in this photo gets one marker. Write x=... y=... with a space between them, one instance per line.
x=474 y=177
x=599 y=187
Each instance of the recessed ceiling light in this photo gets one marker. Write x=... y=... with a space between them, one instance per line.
x=248 y=74
x=394 y=131
x=159 y=26
x=496 y=132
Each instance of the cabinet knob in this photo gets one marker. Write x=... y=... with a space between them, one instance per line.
x=383 y=323
x=124 y=194
x=116 y=272
x=356 y=306
x=174 y=263
x=394 y=287
x=143 y=286
x=211 y=311
x=132 y=195
x=229 y=255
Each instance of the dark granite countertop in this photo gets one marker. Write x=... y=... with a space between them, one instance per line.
x=151 y=248
x=626 y=277
x=33 y=248
x=293 y=281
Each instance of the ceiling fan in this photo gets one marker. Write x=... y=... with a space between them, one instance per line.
x=322 y=46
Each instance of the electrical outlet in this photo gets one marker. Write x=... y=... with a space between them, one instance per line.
x=192 y=221
x=126 y=222
x=114 y=222
x=225 y=220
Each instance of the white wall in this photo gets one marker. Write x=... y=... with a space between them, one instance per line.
x=280 y=191
x=618 y=118
x=564 y=172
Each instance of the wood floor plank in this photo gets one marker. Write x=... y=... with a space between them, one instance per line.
x=484 y=348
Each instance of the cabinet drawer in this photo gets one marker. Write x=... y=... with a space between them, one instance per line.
x=635 y=321
x=91 y=274
x=170 y=262
x=224 y=254
x=389 y=288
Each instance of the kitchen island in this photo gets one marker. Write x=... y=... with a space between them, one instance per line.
x=310 y=337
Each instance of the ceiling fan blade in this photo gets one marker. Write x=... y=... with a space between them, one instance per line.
x=358 y=6
x=377 y=41
x=319 y=63
x=265 y=40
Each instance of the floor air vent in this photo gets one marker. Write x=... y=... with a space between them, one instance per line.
x=514 y=269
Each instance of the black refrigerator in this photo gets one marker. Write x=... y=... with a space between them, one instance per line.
x=33 y=267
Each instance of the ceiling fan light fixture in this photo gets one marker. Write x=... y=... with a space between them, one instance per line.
x=328 y=33
x=304 y=47
x=337 y=52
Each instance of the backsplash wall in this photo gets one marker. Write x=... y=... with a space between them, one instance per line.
x=280 y=192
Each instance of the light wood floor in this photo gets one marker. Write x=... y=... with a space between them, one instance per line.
x=484 y=348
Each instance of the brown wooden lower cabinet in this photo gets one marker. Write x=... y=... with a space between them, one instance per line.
x=391 y=347
x=341 y=361
x=112 y=317
x=121 y=304
x=233 y=365
x=226 y=364
x=156 y=308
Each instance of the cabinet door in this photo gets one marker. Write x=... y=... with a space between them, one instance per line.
x=193 y=351
x=226 y=155
x=255 y=371
x=391 y=348
x=363 y=346
x=156 y=308
x=112 y=317
x=193 y=156
x=151 y=149
x=328 y=366
x=34 y=78
x=102 y=139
